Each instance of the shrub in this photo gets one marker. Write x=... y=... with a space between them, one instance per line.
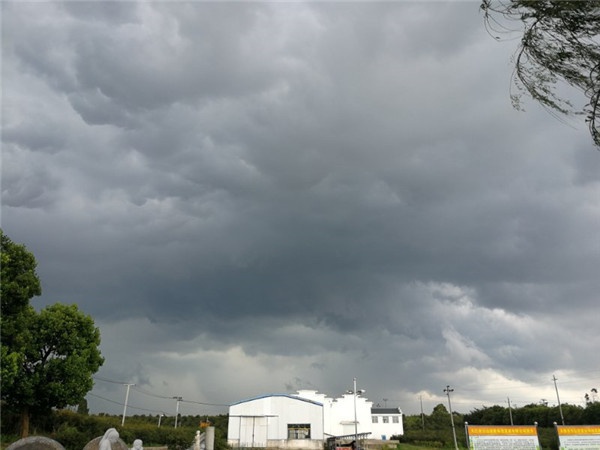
x=71 y=438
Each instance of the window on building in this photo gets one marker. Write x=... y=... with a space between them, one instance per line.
x=396 y=419
x=374 y=419
x=386 y=419
x=298 y=430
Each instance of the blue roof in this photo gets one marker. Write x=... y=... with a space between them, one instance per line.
x=293 y=397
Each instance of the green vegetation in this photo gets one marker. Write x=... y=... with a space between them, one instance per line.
x=544 y=416
x=74 y=430
x=48 y=357
x=434 y=431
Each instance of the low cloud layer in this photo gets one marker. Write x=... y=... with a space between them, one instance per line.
x=256 y=198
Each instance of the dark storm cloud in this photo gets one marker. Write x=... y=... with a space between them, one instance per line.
x=294 y=191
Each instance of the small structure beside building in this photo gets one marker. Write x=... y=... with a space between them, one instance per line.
x=307 y=420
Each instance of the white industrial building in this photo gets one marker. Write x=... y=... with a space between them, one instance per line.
x=306 y=420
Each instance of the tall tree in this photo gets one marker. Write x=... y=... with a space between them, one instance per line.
x=560 y=42
x=19 y=283
x=440 y=417
x=51 y=355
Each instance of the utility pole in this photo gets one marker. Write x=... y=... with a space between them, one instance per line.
x=177 y=409
x=509 y=410
x=422 y=416
x=447 y=391
x=126 y=400
x=558 y=398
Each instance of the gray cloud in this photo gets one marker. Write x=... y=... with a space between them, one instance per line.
x=265 y=197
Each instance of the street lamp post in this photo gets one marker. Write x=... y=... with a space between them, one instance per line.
x=355 y=392
x=177 y=409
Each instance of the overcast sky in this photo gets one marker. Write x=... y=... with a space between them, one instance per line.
x=254 y=198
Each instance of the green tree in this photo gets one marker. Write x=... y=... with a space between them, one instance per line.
x=572 y=414
x=19 y=284
x=51 y=355
x=559 y=43
x=489 y=415
x=413 y=422
x=440 y=417
x=82 y=407
x=591 y=414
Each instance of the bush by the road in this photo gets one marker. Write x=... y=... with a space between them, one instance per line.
x=74 y=430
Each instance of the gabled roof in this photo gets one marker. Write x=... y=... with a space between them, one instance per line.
x=293 y=397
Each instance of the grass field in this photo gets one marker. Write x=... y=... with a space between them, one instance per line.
x=417 y=447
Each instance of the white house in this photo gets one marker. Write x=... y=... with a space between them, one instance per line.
x=307 y=419
x=386 y=422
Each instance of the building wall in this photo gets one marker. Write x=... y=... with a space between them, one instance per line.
x=255 y=422
x=263 y=421
x=323 y=400
x=342 y=415
x=338 y=414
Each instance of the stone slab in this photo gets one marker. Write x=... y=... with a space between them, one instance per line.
x=35 y=443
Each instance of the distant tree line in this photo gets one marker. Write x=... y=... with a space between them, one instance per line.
x=544 y=415
x=435 y=430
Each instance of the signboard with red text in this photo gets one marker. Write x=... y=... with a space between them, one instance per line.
x=503 y=437
x=579 y=437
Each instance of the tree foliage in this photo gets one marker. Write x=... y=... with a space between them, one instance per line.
x=19 y=284
x=48 y=357
x=545 y=416
x=560 y=42
x=434 y=430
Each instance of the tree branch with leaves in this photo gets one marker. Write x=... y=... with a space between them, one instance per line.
x=560 y=43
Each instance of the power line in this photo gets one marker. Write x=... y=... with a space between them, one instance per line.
x=204 y=403
x=151 y=394
x=121 y=404
x=107 y=380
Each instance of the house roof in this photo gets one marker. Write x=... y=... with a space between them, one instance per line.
x=293 y=397
x=386 y=411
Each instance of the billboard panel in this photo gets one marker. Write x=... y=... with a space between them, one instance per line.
x=505 y=437
x=578 y=437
